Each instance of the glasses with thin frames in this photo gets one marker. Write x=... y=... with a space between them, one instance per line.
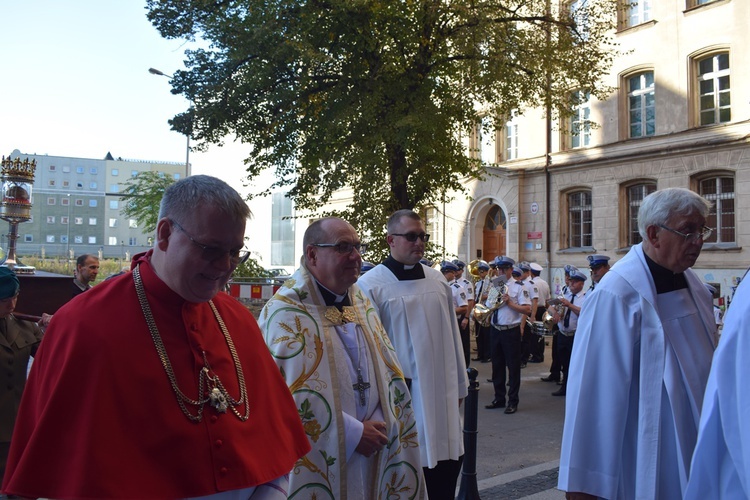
x=344 y=248
x=211 y=253
x=412 y=237
x=704 y=233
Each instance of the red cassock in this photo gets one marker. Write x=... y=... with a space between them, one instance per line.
x=99 y=417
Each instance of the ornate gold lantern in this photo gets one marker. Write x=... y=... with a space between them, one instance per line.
x=15 y=207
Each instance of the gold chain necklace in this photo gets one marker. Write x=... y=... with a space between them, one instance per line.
x=218 y=397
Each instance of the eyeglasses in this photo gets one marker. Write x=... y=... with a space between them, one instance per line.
x=704 y=233
x=210 y=253
x=412 y=237
x=343 y=247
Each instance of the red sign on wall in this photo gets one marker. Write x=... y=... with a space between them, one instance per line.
x=536 y=235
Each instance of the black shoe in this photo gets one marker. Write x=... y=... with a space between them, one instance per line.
x=495 y=404
x=550 y=379
x=559 y=392
x=511 y=409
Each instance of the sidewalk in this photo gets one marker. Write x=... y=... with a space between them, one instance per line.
x=518 y=455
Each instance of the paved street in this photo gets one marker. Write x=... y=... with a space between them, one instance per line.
x=518 y=454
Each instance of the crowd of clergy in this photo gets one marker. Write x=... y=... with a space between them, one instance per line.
x=364 y=366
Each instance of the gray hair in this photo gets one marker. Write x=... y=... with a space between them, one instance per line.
x=395 y=218
x=659 y=206
x=184 y=197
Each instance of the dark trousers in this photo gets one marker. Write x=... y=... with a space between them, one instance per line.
x=506 y=353
x=483 y=341
x=465 y=339
x=554 y=369
x=526 y=340
x=564 y=350
x=442 y=479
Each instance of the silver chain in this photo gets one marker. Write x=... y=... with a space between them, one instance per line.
x=218 y=387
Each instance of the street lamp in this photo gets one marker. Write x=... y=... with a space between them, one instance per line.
x=157 y=72
x=67 y=240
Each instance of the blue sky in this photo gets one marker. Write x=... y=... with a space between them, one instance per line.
x=74 y=81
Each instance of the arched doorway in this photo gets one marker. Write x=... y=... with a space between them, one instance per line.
x=493 y=233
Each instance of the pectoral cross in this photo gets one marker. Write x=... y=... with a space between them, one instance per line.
x=360 y=387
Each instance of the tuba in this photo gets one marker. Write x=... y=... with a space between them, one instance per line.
x=483 y=313
x=548 y=319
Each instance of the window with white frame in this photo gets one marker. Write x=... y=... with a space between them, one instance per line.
x=580 y=227
x=580 y=120
x=635 y=12
x=641 y=105
x=713 y=89
x=487 y=140
x=511 y=138
x=635 y=195
x=720 y=191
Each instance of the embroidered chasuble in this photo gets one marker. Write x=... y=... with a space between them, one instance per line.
x=341 y=370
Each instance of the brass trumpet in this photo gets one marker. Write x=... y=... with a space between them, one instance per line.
x=548 y=319
x=483 y=313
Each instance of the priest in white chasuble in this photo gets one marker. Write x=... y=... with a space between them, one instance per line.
x=344 y=375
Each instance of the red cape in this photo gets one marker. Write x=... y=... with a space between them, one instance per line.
x=99 y=418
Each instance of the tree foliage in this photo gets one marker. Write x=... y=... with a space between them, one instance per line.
x=142 y=196
x=376 y=95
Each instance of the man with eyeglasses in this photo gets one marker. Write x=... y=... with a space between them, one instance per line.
x=155 y=384
x=343 y=374
x=636 y=388
x=416 y=307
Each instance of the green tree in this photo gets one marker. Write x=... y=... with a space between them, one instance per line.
x=376 y=95
x=142 y=196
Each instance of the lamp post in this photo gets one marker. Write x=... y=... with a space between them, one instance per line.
x=157 y=72
x=67 y=239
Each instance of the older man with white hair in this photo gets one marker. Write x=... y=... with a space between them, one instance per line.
x=636 y=388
